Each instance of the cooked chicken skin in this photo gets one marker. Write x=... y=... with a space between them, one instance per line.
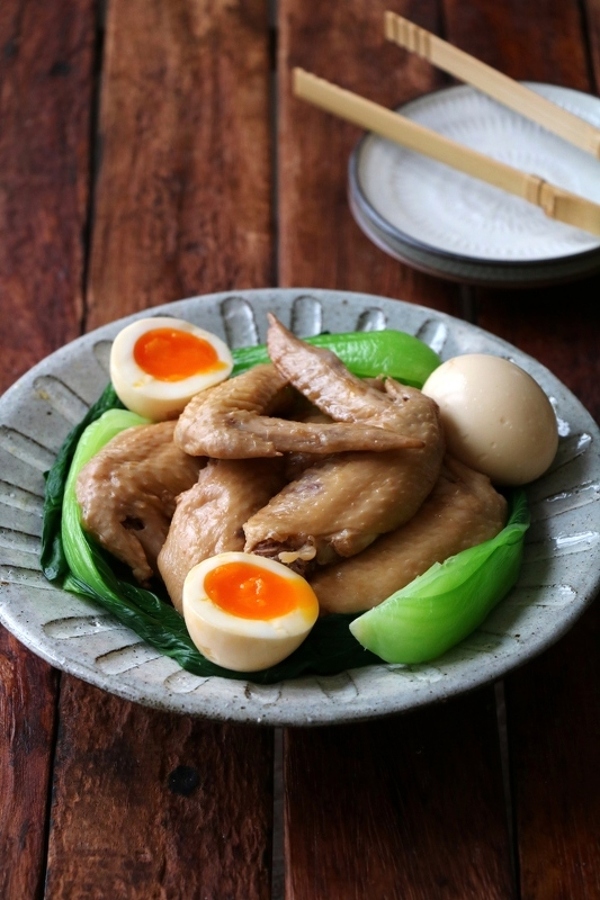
x=232 y=421
x=462 y=510
x=338 y=506
x=322 y=378
x=127 y=493
x=210 y=515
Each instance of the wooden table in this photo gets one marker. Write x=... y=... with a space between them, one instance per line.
x=151 y=151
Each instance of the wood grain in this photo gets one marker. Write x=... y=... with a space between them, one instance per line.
x=47 y=58
x=46 y=89
x=554 y=723
x=406 y=809
x=182 y=206
x=149 y=805
x=152 y=805
x=27 y=696
x=592 y=31
x=558 y=325
x=320 y=244
x=402 y=833
x=543 y=42
x=183 y=199
x=553 y=704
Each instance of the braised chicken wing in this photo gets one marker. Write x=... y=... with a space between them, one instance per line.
x=462 y=510
x=342 y=503
x=127 y=493
x=209 y=516
x=236 y=420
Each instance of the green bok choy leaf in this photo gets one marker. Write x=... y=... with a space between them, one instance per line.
x=89 y=571
x=481 y=576
x=449 y=601
x=366 y=353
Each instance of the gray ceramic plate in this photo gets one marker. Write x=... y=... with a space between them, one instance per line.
x=559 y=578
x=441 y=221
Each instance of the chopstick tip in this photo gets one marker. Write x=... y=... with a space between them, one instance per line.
x=389 y=25
x=298 y=75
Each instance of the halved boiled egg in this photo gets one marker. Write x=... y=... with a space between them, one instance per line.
x=247 y=612
x=158 y=364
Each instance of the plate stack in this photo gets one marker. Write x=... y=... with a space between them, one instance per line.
x=451 y=225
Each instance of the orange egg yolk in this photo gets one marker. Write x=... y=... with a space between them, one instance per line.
x=251 y=592
x=172 y=355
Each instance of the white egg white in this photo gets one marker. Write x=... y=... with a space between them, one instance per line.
x=496 y=417
x=235 y=642
x=155 y=398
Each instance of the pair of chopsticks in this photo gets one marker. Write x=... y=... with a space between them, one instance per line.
x=556 y=202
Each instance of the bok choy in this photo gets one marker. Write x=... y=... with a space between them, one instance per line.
x=462 y=590
x=441 y=607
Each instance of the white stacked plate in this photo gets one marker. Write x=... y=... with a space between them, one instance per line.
x=449 y=224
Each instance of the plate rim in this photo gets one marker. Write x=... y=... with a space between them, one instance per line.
x=261 y=707
x=480 y=270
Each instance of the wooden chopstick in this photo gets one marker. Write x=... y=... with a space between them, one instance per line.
x=554 y=201
x=495 y=84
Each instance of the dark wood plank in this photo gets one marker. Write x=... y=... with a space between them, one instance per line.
x=410 y=807
x=405 y=809
x=540 y=41
x=27 y=700
x=554 y=716
x=592 y=30
x=320 y=243
x=151 y=805
x=183 y=201
x=559 y=326
x=182 y=206
x=46 y=87
x=553 y=703
x=46 y=74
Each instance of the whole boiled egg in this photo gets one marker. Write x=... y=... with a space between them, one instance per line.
x=158 y=364
x=247 y=612
x=496 y=417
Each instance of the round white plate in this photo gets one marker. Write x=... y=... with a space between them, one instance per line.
x=453 y=225
x=560 y=574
